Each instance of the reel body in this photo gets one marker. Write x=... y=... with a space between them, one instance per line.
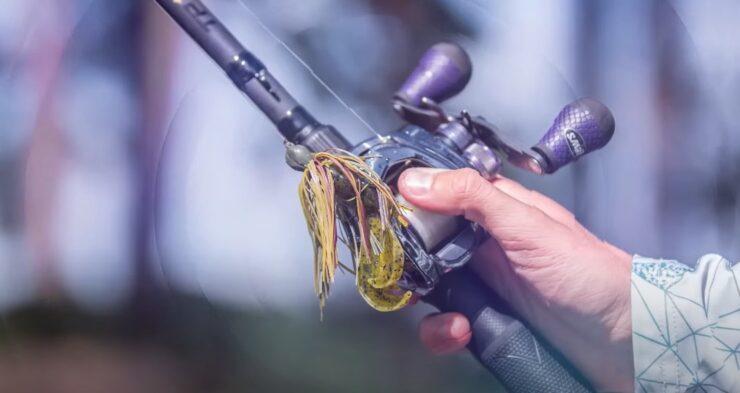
x=433 y=244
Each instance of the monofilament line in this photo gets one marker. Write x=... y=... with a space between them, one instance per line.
x=309 y=69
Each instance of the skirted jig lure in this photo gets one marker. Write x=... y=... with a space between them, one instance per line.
x=342 y=191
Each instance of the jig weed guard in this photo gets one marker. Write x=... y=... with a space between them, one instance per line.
x=350 y=190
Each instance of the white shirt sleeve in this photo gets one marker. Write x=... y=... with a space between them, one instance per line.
x=686 y=325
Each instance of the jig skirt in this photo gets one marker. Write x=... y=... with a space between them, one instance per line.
x=344 y=199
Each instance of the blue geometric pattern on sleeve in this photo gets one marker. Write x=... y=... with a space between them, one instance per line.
x=686 y=325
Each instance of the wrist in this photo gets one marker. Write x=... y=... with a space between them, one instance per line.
x=621 y=373
x=600 y=329
x=622 y=308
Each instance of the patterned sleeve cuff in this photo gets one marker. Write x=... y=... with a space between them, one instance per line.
x=686 y=325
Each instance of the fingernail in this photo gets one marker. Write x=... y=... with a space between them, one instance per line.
x=418 y=181
x=449 y=334
x=452 y=328
x=445 y=329
x=457 y=328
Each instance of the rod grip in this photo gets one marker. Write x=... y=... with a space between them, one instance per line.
x=520 y=360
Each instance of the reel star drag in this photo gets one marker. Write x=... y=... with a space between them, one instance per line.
x=348 y=194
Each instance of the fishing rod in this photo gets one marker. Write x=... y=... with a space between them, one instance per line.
x=250 y=76
x=434 y=249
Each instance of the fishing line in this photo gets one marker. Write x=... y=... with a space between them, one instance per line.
x=309 y=69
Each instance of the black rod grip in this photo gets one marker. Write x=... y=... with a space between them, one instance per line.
x=520 y=360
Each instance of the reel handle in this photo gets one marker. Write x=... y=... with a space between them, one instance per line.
x=581 y=127
x=443 y=71
x=520 y=360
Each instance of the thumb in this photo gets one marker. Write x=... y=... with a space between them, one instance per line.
x=464 y=192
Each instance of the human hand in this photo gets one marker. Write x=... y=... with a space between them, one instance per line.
x=571 y=287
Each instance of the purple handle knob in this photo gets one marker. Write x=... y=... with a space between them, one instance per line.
x=581 y=127
x=443 y=71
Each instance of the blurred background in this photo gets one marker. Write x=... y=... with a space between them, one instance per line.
x=151 y=238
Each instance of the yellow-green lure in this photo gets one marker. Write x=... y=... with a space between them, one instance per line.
x=342 y=189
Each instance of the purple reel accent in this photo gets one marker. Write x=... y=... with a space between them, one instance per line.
x=581 y=127
x=443 y=71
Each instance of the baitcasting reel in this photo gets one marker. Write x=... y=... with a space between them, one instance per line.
x=436 y=248
x=436 y=244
